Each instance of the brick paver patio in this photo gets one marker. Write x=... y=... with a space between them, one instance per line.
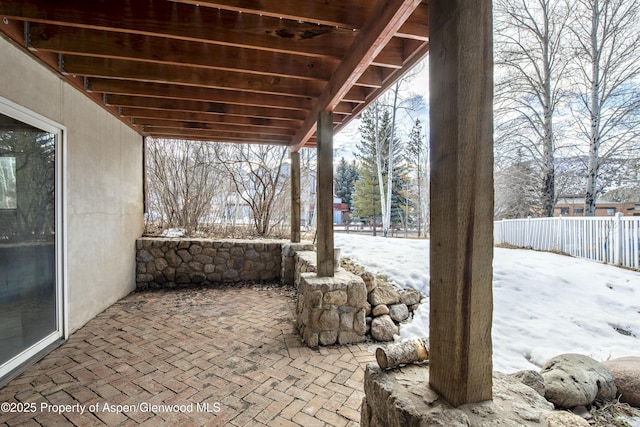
x=206 y=356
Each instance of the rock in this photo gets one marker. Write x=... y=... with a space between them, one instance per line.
x=369 y=281
x=384 y=294
x=383 y=328
x=564 y=419
x=335 y=297
x=410 y=297
x=574 y=379
x=626 y=376
x=532 y=379
x=403 y=397
x=582 y=412
x=399 y=312
x=379 y=310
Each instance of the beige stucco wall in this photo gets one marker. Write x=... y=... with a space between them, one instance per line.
x=103 y=179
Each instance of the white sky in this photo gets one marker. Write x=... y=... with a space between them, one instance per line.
x=544 y=304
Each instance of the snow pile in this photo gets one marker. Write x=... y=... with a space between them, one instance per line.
x=544 y=304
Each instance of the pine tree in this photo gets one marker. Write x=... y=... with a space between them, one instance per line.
x=417 y=154
x=366 y=198
x=345 y=178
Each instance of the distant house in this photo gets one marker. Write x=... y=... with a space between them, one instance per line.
x=574 y=206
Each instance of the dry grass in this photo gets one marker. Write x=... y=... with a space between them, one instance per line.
x=613 y=414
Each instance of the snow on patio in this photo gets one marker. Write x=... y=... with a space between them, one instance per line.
x=544 y=304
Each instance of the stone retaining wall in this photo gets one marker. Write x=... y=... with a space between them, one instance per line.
x=169 y=263
x=305 y=263
x=291 y=255
x=331 y=310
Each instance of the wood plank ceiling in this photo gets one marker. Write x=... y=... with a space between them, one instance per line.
x=246 y=71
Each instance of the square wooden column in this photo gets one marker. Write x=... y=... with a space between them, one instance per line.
x=324 y=208
x=295 y=197
x=461 y=300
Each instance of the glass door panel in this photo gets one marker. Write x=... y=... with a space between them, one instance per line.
x=28 y=291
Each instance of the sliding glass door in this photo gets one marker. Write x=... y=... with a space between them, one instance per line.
x=30 y=290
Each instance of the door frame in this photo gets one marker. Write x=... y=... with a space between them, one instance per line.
x=25 y=115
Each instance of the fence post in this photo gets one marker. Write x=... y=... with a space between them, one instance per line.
x=617 y=238
x=561 y=233
x=528 y=233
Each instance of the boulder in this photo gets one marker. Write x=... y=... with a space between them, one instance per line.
x=532 y=379
x=384 y=294
x=565 y=419
x=383 y=328
x=574 y=379
x=399 y=312
x=626 y=376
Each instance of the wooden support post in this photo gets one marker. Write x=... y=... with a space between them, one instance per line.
x=295 y=197
x=324 y=210
x=461 y=301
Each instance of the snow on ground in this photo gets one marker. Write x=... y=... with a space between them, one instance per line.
x=544 y=304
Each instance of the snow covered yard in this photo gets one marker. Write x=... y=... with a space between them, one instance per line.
x=544 y=304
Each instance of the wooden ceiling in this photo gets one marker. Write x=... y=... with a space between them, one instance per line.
x=254 y=71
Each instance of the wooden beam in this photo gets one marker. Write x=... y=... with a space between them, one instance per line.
x=125 y=69
x=417 y=26
x=384 y=21
x=190 y=116
x=203 y=107
x=295 y=197
x=190 y=125
x=461 y=158
x=338 y=13
x=392 y=56
x=143 y=48
x=324 y=195
x=187 y=22
x=160 y=132
x=159 y=90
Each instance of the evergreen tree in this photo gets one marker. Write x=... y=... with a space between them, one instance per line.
x=367 y=198
x=346 y=176
x=416 y=161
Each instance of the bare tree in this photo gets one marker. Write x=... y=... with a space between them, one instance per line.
x=606 y=76
x=530 y=62
x=180 y=181
x=256 y=172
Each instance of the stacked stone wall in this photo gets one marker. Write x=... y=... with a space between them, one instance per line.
x=331 y=310
x=290 y=258
x=170 y=263
x=305 y=263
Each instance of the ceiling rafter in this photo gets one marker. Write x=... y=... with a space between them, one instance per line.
x=338 y=13
x=183 y=22
x=253 y=71
x=198 y=117
x=107 y=44
x=164 y=91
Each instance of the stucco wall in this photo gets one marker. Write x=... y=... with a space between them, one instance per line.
x=103 y=178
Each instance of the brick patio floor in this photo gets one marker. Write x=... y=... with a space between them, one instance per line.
x=233 y=351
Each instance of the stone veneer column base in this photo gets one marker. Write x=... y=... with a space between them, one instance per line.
x=331 y=310
x=402 y=397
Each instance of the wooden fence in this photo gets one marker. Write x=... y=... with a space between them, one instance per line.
x=614 y=240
